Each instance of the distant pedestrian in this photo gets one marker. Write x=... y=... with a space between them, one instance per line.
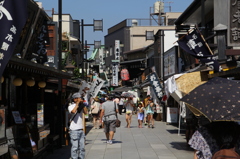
x=120 y=105
x=150 y=111
x=108 y=114
x=145 y=103
x=140 y=114
x=77 y=108
x=95 y=110
x=129 y=105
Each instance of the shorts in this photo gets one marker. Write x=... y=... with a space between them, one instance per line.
x=109 y=125
x=140 y=116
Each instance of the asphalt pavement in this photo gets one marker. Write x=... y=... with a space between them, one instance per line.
x=161 y=142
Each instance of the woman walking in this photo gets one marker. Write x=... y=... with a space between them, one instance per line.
x=95 y=110
x=129 y=105
x=150 y=112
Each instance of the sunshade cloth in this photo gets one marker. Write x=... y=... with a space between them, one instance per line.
x=218 y=100
x=187 y=82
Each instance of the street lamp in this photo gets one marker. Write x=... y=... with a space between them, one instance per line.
x=97 y=26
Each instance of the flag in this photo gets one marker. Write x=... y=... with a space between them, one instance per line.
x=157 y=87
x=95 y=87
x=194 y=44
x=13 y=16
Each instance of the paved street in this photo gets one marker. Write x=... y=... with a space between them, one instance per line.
x=162 y=142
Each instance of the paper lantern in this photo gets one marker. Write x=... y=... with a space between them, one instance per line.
x=30 y=82
x=17 y=81
x=42 y=84
x=2 y=79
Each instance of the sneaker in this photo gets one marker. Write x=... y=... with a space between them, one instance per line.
x=110 y=142
x=107 y=141
x=153 y=127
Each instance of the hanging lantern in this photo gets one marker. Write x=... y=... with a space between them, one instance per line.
x=2 y=79
x=17 y=81
x=42 y=84
x=30 y=82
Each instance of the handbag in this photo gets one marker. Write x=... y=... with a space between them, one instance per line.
x=118 y=122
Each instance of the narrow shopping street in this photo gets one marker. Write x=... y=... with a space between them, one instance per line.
x=162 y=142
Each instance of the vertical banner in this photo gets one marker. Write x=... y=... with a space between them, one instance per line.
x=114 y=75
x=157 y=87
x=100 y=52
x=13 y=16
x=95 y=87
x=43 y=39
x=115 y=63
x=117 y=49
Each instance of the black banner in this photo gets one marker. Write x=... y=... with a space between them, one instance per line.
x=194 y=44
x=156 y=85
x=42 y=40
x=13 y=16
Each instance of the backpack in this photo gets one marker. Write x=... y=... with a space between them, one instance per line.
x=226 y=154
x=124 y=74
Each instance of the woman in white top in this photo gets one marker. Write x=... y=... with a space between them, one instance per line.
x=95 y=114
x=129 y=105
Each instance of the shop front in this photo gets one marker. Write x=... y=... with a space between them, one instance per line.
x=32 y=107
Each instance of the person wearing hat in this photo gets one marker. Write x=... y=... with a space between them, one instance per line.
x=77 y=108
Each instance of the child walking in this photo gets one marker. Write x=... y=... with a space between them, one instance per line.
x=140 y=111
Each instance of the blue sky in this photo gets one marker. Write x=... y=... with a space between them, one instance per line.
x=111 y=11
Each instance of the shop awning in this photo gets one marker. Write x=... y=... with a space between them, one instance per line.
x=23 y=65
x=122 y=89
x=131 y=61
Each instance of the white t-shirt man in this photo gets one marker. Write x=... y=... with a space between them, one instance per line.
x=76 y=123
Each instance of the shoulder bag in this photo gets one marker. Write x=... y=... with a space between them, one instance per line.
x=118 y=122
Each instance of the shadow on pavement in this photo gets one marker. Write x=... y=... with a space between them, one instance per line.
x=181 y=146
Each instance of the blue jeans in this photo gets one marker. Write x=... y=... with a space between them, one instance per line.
x=78 y=144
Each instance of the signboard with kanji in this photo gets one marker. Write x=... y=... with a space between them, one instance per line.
x=234 y=23
x=156 y=85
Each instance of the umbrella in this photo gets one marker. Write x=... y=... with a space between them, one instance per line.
x=218 y=100
x=127 y=94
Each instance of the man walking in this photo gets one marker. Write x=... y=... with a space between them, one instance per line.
x=77 y=108
x=108 y=114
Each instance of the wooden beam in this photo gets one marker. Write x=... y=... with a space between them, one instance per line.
x=230 y=52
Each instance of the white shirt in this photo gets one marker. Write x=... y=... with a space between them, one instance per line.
x=76 y=124
x=121 y=102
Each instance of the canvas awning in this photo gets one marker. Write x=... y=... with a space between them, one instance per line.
x=122 y=89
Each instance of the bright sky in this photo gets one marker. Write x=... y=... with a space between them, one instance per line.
x=111 y=11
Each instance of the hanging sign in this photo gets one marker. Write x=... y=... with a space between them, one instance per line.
x=157 y=87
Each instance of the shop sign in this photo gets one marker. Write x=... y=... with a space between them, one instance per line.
x=170 y=62
x=234 y=23
x=114 y=74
